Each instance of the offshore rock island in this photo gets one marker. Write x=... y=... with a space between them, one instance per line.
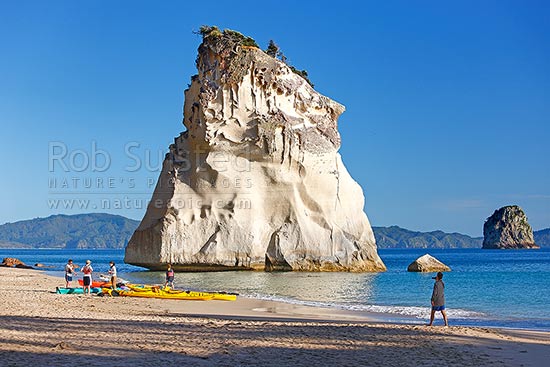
x=256 y=180
x=507 y=228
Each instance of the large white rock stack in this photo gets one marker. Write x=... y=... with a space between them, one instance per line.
x=256 y=180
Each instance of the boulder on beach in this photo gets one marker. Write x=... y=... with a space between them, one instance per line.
x=427 y=263
x=11 y=262
x=508 y=228
x=256 y=180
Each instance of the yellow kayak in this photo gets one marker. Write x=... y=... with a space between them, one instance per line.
x=215 y=296
x=212 y=295
x=158 y=294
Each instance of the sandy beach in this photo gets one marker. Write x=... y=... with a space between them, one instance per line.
x=43 y=328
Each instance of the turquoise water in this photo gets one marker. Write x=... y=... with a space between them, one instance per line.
x=485 y=287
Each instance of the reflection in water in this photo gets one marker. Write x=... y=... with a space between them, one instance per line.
x=329 y=288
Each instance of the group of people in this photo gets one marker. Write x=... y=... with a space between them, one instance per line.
x=437 y=300
x=70 y=271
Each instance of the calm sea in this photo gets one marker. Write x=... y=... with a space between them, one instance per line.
x=485 y=287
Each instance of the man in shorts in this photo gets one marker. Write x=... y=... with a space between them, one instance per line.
x=69 y=272
x=438 y=299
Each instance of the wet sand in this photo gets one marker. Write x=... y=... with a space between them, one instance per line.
x=46 y=329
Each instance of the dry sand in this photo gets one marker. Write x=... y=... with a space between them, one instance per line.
x=41 y=328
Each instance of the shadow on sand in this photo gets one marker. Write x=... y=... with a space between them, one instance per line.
x=219 y=341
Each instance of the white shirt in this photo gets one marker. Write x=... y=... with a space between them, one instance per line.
x=112 y=271
x=69 y=269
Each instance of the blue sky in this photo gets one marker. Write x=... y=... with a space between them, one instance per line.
x=448 y=103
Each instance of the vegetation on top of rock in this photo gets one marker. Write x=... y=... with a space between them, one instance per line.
x=302 y=73
x=213 y=32
x=210 y=33
x=274 y=50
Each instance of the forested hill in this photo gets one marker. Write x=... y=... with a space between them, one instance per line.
x=94 y=230
x=397 y=237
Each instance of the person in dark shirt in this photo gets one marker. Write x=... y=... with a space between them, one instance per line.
x=438 y=299
x=169 y=277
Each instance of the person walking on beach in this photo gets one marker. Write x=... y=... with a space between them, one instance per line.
x=169 y=277
x=87 y=276
x=69 y=272
x=112 y=273
x=438 y=299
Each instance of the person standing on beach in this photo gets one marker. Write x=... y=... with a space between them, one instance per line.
x=169 y=277
x=87 y=276
x=112 y=273
x=69 y=272
x=438 y=299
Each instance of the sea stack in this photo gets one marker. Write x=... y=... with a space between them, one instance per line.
x=256 y=180
x=508 y=228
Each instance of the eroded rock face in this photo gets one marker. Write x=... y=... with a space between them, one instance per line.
x=427 y=263
x=256 y=181
x=508 y=228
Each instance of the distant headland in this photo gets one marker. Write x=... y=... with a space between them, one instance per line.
x=108 y=231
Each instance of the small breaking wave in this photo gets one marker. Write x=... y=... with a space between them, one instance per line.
x=406 y=311
x=415 y=311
